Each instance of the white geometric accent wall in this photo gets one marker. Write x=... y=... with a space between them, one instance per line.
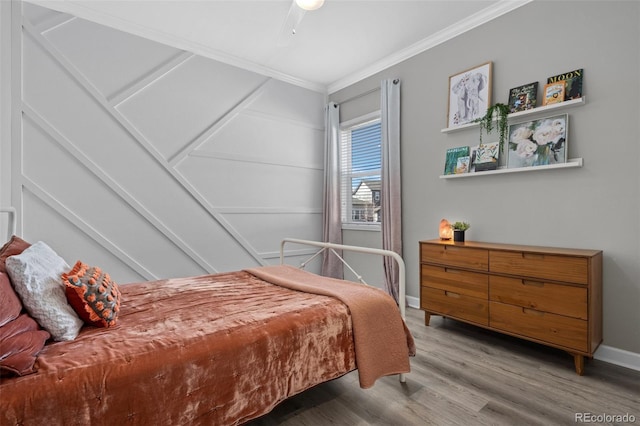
x=153 y=162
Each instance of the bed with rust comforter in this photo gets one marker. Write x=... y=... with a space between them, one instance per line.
x=217 y=350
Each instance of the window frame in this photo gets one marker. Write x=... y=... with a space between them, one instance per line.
x=350 y=124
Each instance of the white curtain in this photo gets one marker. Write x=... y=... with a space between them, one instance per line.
x=332 y=221
x=391 y=196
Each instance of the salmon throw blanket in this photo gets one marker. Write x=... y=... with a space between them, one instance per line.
x=382 y=341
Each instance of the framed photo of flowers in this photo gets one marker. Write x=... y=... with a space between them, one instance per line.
x=539 y=142
x=469 y=95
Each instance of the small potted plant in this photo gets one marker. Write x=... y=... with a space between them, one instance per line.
x=458 y=231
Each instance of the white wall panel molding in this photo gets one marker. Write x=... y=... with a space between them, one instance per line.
x=202 y=166
x=78 y=9
x=87 y=229
x=113 y=185
x=52 y=21
x=5 y=110
x=254 y=160
x=142 y=140
x=289 y=254
x=269 y=210
x=136 y=86
x=43 y=19
x=218 y=124
x=281 y=119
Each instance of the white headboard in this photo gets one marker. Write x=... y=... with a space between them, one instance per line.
x=11 y=228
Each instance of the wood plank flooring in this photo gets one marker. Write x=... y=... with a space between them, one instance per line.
x=465 y=375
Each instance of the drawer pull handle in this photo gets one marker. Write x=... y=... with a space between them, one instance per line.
x=451 y=271
x=532 y=312
x=532 y=283
x=450 y=294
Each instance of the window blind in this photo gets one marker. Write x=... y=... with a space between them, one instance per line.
x=360 y=172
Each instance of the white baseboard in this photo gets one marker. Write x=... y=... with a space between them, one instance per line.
x=604 y=353
x=619 y=357
x=413 y=302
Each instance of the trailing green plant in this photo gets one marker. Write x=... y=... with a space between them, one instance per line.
x=487 y=123
x=461 y=226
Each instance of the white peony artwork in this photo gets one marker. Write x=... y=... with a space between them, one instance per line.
x=538 y=143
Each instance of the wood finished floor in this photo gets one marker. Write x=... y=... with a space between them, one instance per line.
x=465 y=375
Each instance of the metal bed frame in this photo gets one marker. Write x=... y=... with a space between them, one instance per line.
x=11 y=212
x=333 y=247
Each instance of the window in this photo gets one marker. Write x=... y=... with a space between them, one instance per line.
x=360 y=164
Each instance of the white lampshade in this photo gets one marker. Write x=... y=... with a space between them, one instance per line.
x=310 y=4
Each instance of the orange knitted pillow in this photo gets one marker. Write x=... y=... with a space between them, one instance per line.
x=92 y=294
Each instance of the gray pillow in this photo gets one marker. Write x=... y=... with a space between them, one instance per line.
x=36 y=277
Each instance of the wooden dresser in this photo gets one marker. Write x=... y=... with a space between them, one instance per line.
x=548 y=295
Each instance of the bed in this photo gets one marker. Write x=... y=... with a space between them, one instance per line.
x=216 y=349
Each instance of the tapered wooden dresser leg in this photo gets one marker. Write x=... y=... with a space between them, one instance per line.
x=578 y=360
x=427 y=318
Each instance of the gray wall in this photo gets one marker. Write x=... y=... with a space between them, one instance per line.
x=596 y=206
x=150 y=161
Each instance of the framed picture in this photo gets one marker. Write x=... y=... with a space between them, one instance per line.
x=469 y=95
x=484 y=157
x=539 y=142
x=523 y=97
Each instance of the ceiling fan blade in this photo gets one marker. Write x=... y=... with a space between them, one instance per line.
x=290 y=24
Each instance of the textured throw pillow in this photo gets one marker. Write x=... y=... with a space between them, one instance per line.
x=20 y=342
x=35 y=275
x=15 y=245
x=95 y=298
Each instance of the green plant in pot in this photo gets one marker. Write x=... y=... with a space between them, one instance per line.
x=495 y=117
x=458 y=230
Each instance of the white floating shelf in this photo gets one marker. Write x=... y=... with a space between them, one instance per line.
x=521 y=114
x=573 y=162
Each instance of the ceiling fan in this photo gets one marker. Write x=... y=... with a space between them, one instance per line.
x=296 y=12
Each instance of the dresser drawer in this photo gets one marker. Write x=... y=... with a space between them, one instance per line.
x=449 y=255
x=458 y=281
x=559 y=299
x=539 y=265
x=455 y=305
x=555 y=329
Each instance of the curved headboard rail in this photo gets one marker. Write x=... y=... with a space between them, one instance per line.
x=11 y=212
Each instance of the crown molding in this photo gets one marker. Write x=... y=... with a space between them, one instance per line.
x=84 y=11
x=480 y=18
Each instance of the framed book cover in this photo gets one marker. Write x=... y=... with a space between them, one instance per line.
x=573 y=83
x=524 y=97
x=553 y=93
x=484 y=157
x=451 y=160
x=538 y=142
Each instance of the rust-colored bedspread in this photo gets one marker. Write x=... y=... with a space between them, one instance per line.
x=176 y=357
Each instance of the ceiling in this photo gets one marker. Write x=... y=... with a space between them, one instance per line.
x=334 y=46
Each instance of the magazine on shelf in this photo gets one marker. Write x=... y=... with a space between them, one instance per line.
x=523 y=97
x=553 y=93
x=452 y=165
x=573 y=83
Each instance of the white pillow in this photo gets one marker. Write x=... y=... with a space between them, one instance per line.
x=35 y=274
